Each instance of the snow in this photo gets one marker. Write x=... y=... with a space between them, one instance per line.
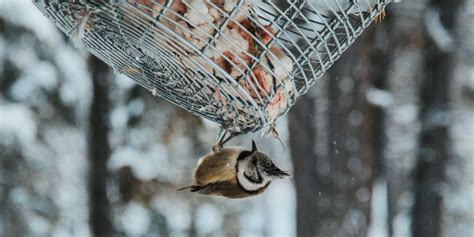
x=135 y=219
x=379 y=214
x=146 y=165
x=154 y=92
x=281 y=220
x=17 y=122
x=70 y=188
x=208 y=218
x=23 y=12
x=54 y=156
x=19 y=195
x=21 y=53
x=136 y=107
x=253 y=220
x=404 y=113
x=21 y=198
x=459 y=191
x=38 y=225
x=39 y=76
x=379 y=97
x=76 y=86
x=401 y=225
x=119 y=117
x=438 y=32
x=124 y=82
x=176 y=212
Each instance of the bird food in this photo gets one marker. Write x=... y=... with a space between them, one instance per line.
x=241 y=63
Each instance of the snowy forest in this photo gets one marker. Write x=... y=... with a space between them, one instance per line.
x=381 y=146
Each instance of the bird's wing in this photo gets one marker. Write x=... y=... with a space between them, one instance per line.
x=217 y=167
x=215 y=188
x=228 y=189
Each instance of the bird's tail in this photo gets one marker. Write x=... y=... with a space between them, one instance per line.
x=192 y=188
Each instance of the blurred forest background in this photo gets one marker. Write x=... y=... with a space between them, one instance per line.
x=382 y=146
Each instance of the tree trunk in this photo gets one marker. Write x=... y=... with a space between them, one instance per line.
x=434 y=142
x=382 y=55
x=333 y=190
x=302 y=142
x=350 y=143
x=99 y=150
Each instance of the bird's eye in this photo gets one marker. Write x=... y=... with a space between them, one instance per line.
x=254 y=162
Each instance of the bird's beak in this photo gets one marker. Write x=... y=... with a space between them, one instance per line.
x=254 y=146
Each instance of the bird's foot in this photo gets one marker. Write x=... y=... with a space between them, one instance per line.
x=223 y=139
x=217 y=147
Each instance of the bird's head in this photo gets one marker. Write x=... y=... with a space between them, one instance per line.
x=256 y=170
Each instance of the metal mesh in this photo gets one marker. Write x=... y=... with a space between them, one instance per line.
x=241 y=63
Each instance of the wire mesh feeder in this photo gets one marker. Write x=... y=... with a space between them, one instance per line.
x=241 y=63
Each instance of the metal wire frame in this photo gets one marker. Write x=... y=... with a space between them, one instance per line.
x=195 y=59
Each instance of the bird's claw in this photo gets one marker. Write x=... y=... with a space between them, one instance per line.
x=222 y=138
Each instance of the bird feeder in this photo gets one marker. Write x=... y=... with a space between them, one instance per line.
x=240 y=63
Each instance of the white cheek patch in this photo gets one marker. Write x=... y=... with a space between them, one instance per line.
x=246 y=183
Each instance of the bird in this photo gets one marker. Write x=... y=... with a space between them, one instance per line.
x=234 y=172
